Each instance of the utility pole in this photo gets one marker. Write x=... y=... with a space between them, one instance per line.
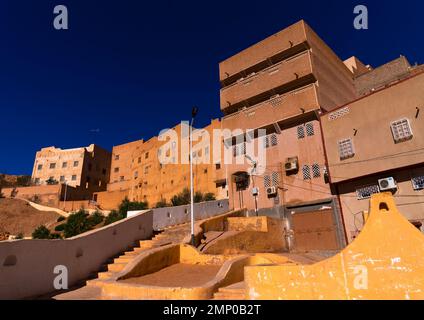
x=193 y=115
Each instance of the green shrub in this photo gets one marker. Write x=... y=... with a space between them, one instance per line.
x=77 y=223
x=126 y=205
x=209 y=197
x=162 y=204
x=19 y=236
x=60 y=227
x=41 y=233
x=113 y=216
x=55 y=236
x=60 y=219
x=96 y=218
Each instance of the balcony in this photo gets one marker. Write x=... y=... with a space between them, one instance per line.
x=286 y=41
x=290 y=105
x=260 y=86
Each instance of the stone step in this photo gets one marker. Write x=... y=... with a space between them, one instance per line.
x=222 y=296
x=105 y=275
x=124 y=259
x=116 y=267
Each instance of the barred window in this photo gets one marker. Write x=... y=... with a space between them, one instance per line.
x=267 y=182
x=418 y=183
x=306 y=170
x=271 y=140
x=346 y=149
x=310 y=129
x=366 y=192
x=239 y=149
x=275 y=177
x=401 y=130
x=316 y=170
x=300 y=132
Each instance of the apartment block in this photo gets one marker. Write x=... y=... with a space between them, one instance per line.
x=281 y=84
x=375 y=144
x=86 y=167
x=138 y=174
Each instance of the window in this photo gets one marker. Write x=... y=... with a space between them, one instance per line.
x=37 y=181
x=116 y=170
x=306 y=170
x=76 y=163
x=146 y=170
x=122 y=178
x=310 y=129
x=267 y=182
x=239 y=149
x=275 y=179
x=146 y=156
x=346 y=149
x=300 y=132
x=135 y=174
x=207 y=152
x=366 y=192
x=271 y=140
x=40 y=166
x=52 y=165
x=117 y=157
x=74 y=178
x=205 y=171
x=62 y=178
x=217 y=166
x=316 y=170
x=64 y=165
x=401 y=130
x=418 y=183
x=139 y=159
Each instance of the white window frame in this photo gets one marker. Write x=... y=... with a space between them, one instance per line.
x=400 y=122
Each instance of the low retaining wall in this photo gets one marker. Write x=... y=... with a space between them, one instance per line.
x=166 y=217
x=26 y=266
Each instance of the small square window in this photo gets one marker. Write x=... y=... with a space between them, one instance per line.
x=52 y=165
x=117 y=157
x=40 y=166
x=401 y=130
x=62 y=178
x=346 y=149
x=76 y=163
x=116 y=170
x=74 y=178
x=122 y=178
x=146 y=156
x=418 y=183
x=64 y=165
x=37 y=180
x=217 y=166
x=135 y=174
x=139 y=159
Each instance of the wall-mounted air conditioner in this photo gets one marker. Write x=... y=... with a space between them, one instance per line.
x=387 y=184
x=271 y=191
x=291 y=165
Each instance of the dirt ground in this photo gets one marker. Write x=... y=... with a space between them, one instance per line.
x=17 y=216
x=178 y=275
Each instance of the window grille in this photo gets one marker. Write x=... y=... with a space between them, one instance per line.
x=306 y=170
x=401 y=130
x=346 y=149
x=300 y=132
x=366 y=192
x=310 y=129
x=271 y=140
x=267 y=182
x=418 y=183
x=338 y=113
x=275 y=179
x=316 y=170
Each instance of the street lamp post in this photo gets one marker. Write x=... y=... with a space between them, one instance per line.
x=193 y=115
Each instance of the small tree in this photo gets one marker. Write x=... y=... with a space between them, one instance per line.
x=96 y=218
x=126 y=205
x=113 y=216
x=51 y=181
x=19 y=236
x=41 y=233
x=77 y=223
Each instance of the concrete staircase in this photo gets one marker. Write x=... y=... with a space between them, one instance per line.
x=113 y=266
x=232 y=292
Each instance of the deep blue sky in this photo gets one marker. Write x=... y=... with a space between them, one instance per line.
x=132 y=68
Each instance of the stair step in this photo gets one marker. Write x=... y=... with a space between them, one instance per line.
x=116 y=267
x=105 y=275
x=125 y=259
x=221 y=296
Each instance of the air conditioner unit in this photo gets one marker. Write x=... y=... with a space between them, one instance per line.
x=291 y=165
x=387 y=184
x=271 y=191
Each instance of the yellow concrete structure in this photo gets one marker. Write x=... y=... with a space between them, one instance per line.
x=385 y=262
